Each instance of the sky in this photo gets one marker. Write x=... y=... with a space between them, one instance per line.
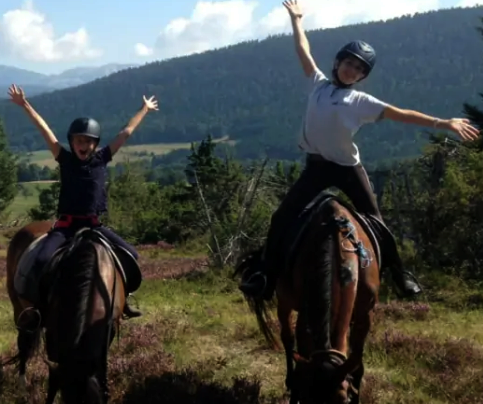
x=50 y=36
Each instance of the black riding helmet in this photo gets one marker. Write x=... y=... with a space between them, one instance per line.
x=362 y=51
x=84 y=126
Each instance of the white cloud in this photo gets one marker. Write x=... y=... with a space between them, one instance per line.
x=25 y=33
x=211 y=25
x=215 y=24
x=143 y=50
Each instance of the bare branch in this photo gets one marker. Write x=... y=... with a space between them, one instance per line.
x=218 y=256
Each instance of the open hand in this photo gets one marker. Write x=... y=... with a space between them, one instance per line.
x=293 y=8
x=17 y=95
x=151 y=103
x=462 y=127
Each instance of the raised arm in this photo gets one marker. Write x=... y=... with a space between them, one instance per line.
x=149 y=105
x=302 y=45
x=18 y=97
x=459 y=126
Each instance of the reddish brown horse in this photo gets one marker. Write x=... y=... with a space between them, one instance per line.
x=332 y=281
x=83 y=296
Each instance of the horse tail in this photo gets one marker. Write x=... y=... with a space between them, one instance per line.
x=27 y=322
x=258 y=306
x=28 y=342
x=77 y=351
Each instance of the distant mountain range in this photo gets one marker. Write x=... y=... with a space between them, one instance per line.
x=37 y=83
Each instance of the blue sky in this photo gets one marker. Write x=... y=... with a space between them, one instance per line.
x=128 y=31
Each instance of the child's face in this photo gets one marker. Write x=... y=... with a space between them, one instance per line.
x=83 y=146
x=350 y=70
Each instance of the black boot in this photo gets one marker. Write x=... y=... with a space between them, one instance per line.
x=130 y=312
x=406 y=283
x=404 y=280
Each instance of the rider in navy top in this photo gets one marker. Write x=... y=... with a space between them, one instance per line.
x=83 y=176
x=335 y=112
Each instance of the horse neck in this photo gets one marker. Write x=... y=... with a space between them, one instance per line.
x=78 y=272
x=318 y=295
x=83 y=300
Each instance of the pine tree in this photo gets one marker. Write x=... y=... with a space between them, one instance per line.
x=472 y=112
x=8 y=172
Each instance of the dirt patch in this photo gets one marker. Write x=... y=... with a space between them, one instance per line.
x=159 y=268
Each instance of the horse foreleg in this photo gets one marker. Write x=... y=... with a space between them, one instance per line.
x=358 y=337
x=53 y=385
x=285 y=314
x=103 y=383
x=102 y=373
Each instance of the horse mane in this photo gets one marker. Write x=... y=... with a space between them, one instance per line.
x=78 y=270
x=318 y=277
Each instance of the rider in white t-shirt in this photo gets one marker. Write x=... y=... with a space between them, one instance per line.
x=335 y=112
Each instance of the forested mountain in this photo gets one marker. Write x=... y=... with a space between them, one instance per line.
x=38 y=83
x=255 y=92
x=30 y=89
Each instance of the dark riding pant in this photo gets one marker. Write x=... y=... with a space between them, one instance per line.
x=53 y=240
x=318 y=175
x=116 y=239
x=57 y=236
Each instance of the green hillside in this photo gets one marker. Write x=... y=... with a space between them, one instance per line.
x=254 y=92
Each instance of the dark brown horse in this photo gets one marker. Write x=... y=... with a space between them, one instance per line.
x=332 y=281
x=82 y=303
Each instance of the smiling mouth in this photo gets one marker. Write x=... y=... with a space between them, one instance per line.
x=83 y=153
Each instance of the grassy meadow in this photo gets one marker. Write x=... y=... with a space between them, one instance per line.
x=198 y=343
x=27 y=197
x=131 y=153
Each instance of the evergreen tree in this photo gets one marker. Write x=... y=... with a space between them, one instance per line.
x=8 y=172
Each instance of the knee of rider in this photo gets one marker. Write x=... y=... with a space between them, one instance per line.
x=132 y=250
x=42 y=259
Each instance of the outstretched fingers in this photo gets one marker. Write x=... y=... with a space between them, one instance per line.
x=151 y=102
x=470 y=133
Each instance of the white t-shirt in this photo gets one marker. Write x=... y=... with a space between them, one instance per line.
x=333 y=117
